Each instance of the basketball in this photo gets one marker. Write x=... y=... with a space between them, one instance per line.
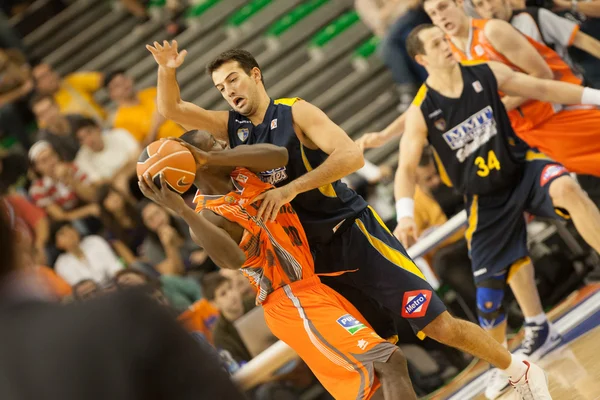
x=172 y=159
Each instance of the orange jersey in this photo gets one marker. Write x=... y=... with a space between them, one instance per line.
x=533 y=112
x=277 y=252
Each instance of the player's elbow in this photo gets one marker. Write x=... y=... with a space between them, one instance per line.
x=545 y=73
x=166 y=110
x=355 y=157
x=235 y=260
x=281 y=155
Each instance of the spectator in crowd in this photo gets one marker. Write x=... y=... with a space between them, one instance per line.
x=137 y=112
x=543 y=26
x=16 y=83
x=450 y=260
x=240 y=283
x=87 y=258
x=14 y=168
x=200 y=318
x=58 y=128
x=123 y=223
x=392 y=21
x=61 y=189
x=173 y=9
x=181 y=292
x=74 y=93
x=86 y=289
x=169 y=246
x=106 y=156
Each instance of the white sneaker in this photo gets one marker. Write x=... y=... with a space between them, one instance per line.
x=533 y=385
x=497 y=384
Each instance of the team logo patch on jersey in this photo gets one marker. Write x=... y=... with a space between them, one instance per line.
x=273 y=176
x=351 y=324
x=243 y=133
x=440 y=124
x=479 y=50
x=229 y=199
x=241 y=178
x=274 y=123
x=477 y=86
x=415 y=303
x=550 y=172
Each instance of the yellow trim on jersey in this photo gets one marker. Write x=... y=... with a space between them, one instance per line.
x=392 y=255
x=441 y=169
x=534 y=155
x=472 y=221
x=516 y=266
x=468 y=63
x=378 y=218
x=420 y=96
x=326 y=190
x=288 y=101
x=561 y=214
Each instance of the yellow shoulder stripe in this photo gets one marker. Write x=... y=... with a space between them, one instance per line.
x=468 y=63
x=420 y=96
x=288 y=101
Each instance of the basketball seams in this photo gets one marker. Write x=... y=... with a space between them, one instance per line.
x=176 y=163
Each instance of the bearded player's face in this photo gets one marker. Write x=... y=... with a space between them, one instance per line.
x=238 y=88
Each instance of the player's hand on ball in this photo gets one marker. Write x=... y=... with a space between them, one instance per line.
x=163 y=195
x=166 y=55
x=272 y=200
x=406 y=231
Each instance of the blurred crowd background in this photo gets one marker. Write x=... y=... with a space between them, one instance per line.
x=77 y=105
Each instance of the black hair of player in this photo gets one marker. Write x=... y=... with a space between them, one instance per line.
x=194 y=137
x=246 y=61
x=414 y=44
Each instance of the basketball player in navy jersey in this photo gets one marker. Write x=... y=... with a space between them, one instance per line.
x=344 y=233
x=459 y=112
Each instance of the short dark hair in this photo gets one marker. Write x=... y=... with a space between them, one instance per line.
x=210 y=283
x=39 y=97
x=112 y=75
x=244 y=58
x=55 y=227
x=81 y=122
x=414 y=44
x=426 y=157
x=193 y=137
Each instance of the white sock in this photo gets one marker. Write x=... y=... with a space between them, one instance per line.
x=539 y=319
x=516 y=369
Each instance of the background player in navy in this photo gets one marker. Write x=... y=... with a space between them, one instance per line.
x=458 y=110
x=342 y=230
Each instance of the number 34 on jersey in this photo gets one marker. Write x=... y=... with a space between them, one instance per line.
x=485 y=166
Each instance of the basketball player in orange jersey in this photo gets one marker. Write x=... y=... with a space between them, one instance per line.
x=329 y=334
x=321 y=325
x=571 y=137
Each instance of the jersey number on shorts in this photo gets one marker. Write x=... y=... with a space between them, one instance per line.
x=293 y=234
x=486 y=167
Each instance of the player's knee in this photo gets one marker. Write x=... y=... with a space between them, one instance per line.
x=564 y=192
x=490 y=309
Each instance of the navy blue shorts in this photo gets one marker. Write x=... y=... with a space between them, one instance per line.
x=497 y=231
x=386 y=284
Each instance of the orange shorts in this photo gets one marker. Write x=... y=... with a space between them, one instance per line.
x=570 y=137
x=330 y=335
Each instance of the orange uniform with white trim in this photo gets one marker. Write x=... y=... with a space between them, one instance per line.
x=326 y=331
x=572 y=136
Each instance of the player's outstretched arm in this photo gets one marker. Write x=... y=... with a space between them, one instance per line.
x=517 y=49
x=412 y=143
x=519 y=84
x=377 y=139
x=169 y=101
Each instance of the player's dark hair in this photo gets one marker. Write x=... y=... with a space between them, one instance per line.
x=83 y=122
x=246 y=61
x=39 y=97
x=414 y=44
x=7 y=243
x=426 y=157
x=194 y=137
x=210 y=283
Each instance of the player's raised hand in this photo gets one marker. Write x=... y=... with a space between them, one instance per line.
x=406 y=231
x=162 y=196
x=166 y=55
x=272 y=201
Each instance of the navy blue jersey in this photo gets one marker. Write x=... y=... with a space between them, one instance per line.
x=321 y=210
x=475 y=146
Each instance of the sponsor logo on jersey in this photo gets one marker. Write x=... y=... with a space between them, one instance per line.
x=415 y=303
x=241 y=178
x=472 y=133
x=351 y=324
x=274 y=123
x=273 y=176
x=440 y=124
x=243 y=133
x=229 y=199
x=244 y=121
x=435 y=113
x=550 y=172
x=479 y=50
x=362 y=344
x=477 y=86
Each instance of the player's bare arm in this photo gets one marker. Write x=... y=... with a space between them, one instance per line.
x=587 y=8
x=412 y=143
x=585 y=42
x=519 y=84
x=377 y=139
x=316 y=131
x=206 y=230
x=169 y=101
x=513 y=45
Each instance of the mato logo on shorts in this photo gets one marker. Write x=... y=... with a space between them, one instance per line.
x=351 y=324
x=415 y=303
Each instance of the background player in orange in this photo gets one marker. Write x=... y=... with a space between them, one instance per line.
x=571 y=137
x=299 y=303
x=328 y=333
